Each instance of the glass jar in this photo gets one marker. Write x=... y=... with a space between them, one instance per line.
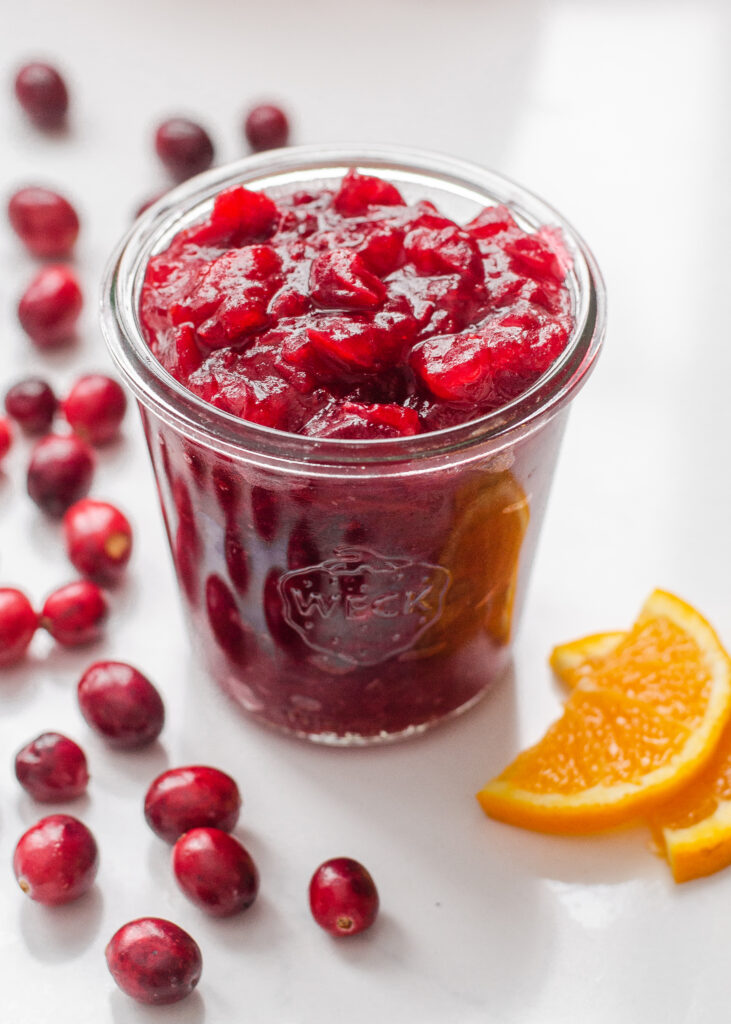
x=351 y=591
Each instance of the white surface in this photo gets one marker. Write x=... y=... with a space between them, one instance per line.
x=617 y=113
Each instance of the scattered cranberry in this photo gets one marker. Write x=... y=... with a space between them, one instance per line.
x=56 y=860
x=121 y=704
x=59 y=473
x=50 y=306
x=191 y=797
x=98 y=540
x=6 y=437
x=18 y=623
x=42 y=93
x=52 y=767
x=45 y=221
x=266 y=127
x=343 y=897
x=154 y=961
x=95 y=407
x=75 y=614
x=184 y=147
x=215 y=871
x=32 y=404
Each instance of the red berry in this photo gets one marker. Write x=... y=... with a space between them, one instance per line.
x=6 y=437
x=50 y=306
x=184 y=147
x=98 y=539
x=32 y=404
x=121 y=704
x=266 y=127
x=191 y=797
x=95 y=407
x=215 y=871
x=42 y=93
x=154 y=961
x=343 y=897
x=56 y=860
x=75 y=614
x=45 y=221
x=52 y=767
x=59 y=472
x=18 y=623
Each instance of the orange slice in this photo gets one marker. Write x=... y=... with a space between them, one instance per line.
x=570 y=661
x=641 y=721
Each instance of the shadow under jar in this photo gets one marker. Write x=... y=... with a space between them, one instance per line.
x=351 y=591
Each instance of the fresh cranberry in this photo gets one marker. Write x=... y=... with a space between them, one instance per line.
x=95 y=407
x=42 y=93
x=50 y=306
x=266 y=127
x=75 y=614
x=98 y=540
x=215 y=871
x=343 y=897
x=18 y=623
x=6 y=437
x=121 y=704
x=191 y=797
x=56 y=860
x=32 y=404
x=184 y=147
x=52 y=767
x=45 y=221
x=59 y=472
x=154 y=961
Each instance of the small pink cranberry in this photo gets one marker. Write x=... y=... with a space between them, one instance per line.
x=52 y=767
x=215 y=871
x=343 y=897
x=50 y=306
x=266 y=127
x=32 y=404
x=44 y=221
x=18 y=623
x=56 y=860
x=75 y=614
x=98 y=540
x=192 y=797
x=95 y=408
x=184 y=147
x=6 y=437
x=121 y=704
x=154 y=961
x=42 y=93
x=59 y=472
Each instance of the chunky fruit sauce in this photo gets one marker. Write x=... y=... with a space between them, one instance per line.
x=350 y=314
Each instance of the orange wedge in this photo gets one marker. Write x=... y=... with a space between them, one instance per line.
x=641 y=721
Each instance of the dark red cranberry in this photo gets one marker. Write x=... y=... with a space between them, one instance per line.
x=95 y=407
x=184 y=147
x=75 y=614
x=56 y=860
x=52 y=767
x=266 y=127
x=60 y=472
x=343 y=897
x=215 y=871
x=44 y=221
x=98 y=540
x=121 y=704
x=191 y=797
x=42 y=93
x=32 y=404
x=154 y=961
x=6 y=437
x=50 y=306
x=18 y=623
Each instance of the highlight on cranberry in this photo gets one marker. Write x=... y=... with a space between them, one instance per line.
x=194 y=796
x=59 y=473
x=154 y=961
x=56 y=861
x=18 y=623
x=266 y=127
x=42 y=93
x=184 y=147
x=343 y=897
x=6 y=437
x=215 y=871
x=50 y=306
x=75 y=614
x=52 y=767
x=94 y=408
x=98 y=540
x=121 y=705
x=32 y=404
x=44 y=221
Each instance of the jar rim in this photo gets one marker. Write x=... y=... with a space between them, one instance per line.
x=156 y=389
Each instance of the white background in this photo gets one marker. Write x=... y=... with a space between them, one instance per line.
x=617 y=112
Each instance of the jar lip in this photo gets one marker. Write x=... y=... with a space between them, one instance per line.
x=159 y=391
